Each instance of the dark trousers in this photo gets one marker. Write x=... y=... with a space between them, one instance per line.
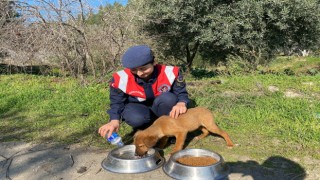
x=140 y=116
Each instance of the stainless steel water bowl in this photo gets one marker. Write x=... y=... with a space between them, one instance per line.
x=176 y=170
x=124 y=160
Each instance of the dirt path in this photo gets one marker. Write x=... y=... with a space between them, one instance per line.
x=19 y=160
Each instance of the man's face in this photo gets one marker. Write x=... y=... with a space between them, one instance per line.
x=144 y=72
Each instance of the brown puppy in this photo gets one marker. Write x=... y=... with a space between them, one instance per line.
x=166 y=126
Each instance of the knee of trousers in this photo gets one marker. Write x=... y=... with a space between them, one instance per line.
x=166 y=99
x=136 y=115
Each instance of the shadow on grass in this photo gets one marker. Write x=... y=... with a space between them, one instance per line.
x=31 y=69
x=46 y=128
x=13 y=127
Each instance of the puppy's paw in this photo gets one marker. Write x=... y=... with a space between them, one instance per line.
x=230 y=146
x=167 y=156
x=173 y=151
x=196 y=138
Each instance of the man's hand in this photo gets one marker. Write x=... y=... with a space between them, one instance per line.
x=109 y=128
x=178 y=109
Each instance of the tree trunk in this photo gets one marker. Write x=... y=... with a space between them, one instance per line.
x=191 y=54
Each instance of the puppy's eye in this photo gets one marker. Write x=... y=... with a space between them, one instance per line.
x=141 y=145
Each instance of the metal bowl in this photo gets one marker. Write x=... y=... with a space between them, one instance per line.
x=124 y=160
x=174 y=169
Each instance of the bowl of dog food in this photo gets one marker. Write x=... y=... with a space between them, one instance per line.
x=124 y=160
x=196 y=164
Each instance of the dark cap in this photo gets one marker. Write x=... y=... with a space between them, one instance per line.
x=137 y=56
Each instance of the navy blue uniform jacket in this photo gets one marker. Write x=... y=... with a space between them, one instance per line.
x=118 y=99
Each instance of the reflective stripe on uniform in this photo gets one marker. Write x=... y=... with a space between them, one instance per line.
x=169 y=72
x=123 y=81
x=140 y=99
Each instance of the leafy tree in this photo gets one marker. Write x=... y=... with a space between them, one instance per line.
x=95 y=18
x=179 y=25
x=252 y=29
x=292 y=25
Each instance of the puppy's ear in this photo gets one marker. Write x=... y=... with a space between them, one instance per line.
x=150 y=141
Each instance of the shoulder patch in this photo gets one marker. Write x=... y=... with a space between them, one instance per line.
x=180 y=79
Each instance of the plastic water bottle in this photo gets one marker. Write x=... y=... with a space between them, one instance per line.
x=115 y=139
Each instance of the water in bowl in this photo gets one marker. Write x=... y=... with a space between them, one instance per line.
x=130 y=155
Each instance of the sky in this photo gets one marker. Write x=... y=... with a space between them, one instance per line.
x=47 y=12
x=97 y=3
x=104 y=2
x=94 y=3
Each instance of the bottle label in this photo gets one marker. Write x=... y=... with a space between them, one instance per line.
x=113 y=136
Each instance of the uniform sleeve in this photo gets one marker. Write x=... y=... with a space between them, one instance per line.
x=179 y=88
x=117 y=102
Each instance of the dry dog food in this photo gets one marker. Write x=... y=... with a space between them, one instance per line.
x=196 y=161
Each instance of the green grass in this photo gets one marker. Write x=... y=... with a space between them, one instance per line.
x=296 y=65
x=36 y=108
x=263 y=123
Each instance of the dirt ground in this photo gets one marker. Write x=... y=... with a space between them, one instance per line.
x=19 y=160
